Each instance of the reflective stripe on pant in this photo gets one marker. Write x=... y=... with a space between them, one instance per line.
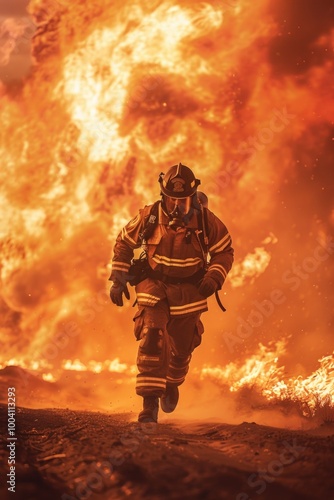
x=153 y=351
x=165 y=348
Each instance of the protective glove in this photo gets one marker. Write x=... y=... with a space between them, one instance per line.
x=208 y=286
x=116 y=293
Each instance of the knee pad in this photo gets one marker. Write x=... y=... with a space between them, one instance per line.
x=151 y=341
x=179 y=361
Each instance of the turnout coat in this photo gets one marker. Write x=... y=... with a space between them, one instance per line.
x=174 y=255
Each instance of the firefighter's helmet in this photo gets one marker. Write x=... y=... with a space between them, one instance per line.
x=178 y=182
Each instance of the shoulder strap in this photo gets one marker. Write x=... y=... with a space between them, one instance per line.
x=151 y=222
x=203 y=226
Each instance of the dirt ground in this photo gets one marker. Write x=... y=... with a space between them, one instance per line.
x=66 y=454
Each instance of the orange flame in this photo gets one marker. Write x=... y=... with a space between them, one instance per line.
x=262 y=373
x=119 y=92
x=253 y=265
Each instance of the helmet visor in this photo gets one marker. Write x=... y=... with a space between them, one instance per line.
x=180 y=205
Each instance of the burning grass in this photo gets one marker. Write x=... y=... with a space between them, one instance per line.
x=261 y=383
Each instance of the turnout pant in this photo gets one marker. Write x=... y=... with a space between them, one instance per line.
x=167 y=335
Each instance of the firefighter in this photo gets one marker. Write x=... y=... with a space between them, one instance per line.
x=188 y=255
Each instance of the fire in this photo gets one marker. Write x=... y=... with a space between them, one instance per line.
x=316 y=388
x=115 y=95
x=74 y=365
x=260 y=369
x=97 y=367
x=253 y=265
x=262 y=373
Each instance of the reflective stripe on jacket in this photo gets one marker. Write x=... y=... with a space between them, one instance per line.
x=171 y=252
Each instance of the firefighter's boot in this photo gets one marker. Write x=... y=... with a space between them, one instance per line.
x=169 y=400
x=150 y=410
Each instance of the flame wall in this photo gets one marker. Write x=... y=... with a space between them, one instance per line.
x=118 y=92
